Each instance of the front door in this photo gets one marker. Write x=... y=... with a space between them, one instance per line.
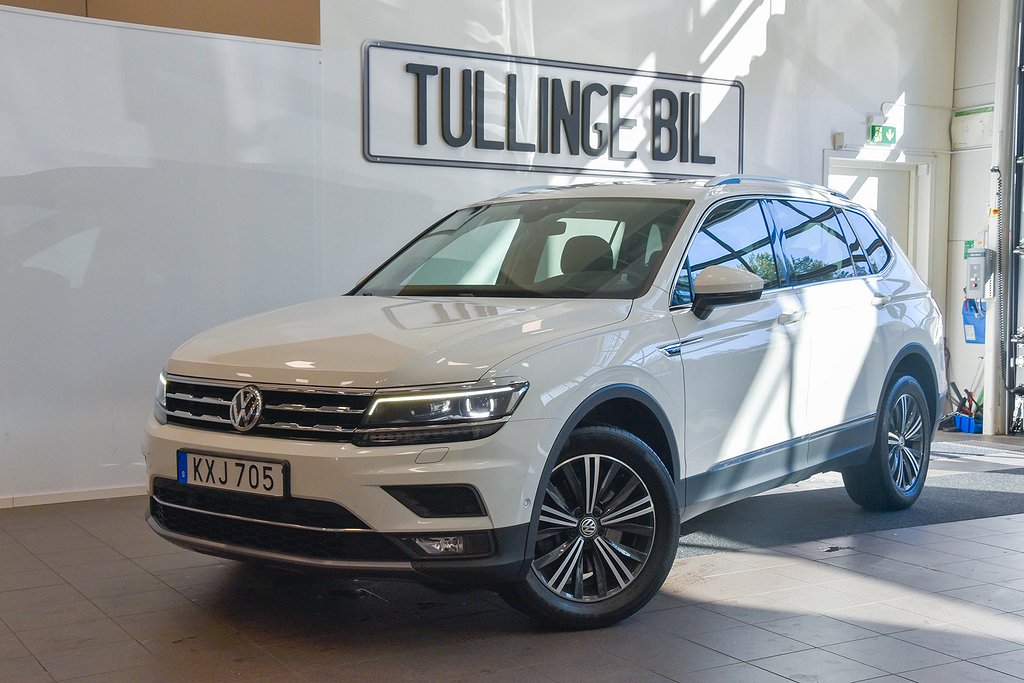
x=743 y=408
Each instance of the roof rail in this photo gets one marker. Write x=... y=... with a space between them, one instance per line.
x=741 y=178
x=528 y=188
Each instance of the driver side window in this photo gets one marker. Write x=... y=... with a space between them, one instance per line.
x=734 y=234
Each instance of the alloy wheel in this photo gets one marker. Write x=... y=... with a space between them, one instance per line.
x=596 y=531
x=906 y=441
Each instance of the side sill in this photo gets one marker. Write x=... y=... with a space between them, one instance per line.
x=834 y=449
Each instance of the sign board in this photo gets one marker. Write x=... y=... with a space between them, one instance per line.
x=441 y=107
x=882 y=135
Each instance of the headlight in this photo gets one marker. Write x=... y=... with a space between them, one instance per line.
x=437 y=416
x=161 y=398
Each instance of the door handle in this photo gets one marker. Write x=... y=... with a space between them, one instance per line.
x=790 y=318
x=880 y=300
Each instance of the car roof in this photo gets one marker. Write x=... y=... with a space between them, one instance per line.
x=691 y=189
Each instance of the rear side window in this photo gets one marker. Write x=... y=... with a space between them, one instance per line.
x=734 y=234
x=813 y=241
x=877 y=252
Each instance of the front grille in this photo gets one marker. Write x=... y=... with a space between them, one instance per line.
x=321 y=514
x=290 y=412
x=326 y=545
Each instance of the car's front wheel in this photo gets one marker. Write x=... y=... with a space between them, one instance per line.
x=894 y=475
x=606 y=535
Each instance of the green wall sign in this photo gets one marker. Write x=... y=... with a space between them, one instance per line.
x=882 y=135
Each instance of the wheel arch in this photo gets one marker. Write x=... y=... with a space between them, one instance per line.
x=914 y=360
x=610 y=406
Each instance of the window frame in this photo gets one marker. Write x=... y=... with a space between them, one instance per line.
x=838 y=210
x=883 y=237
x=773 y=242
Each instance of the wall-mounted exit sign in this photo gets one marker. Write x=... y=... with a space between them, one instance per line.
x=881 y=135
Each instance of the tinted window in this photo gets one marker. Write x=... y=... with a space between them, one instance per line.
x=735 y=235
x=813 y=241
x=877 y=253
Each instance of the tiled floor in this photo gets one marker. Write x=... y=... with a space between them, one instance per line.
x=88 y=592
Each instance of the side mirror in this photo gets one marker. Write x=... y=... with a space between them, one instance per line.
x=721 y=285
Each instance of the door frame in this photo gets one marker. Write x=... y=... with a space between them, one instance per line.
x=930 y=225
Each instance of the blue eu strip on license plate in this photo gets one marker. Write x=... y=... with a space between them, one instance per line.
x=182 y=467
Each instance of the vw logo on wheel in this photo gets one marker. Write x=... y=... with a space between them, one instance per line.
x=246 y=408
x=588 y=527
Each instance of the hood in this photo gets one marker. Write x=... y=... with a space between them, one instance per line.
x=373 y=342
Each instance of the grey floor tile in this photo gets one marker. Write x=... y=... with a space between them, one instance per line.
x=141 y=603
x=17 y=560
x=11 y=647
x=734 y=673
x=31 y=517
x=913 y=536
x=28 y=579
x=818 y=598
x=986 y=572
x=69 y=558
x=817 y=630
x=882 y=618
x=98 y=659
x=959 y=672
x=13 y=601
x=942 y=607
x=1004 y=626
x=56 y=614
x=1013 y=541
x=1010 y=663
x=818 y=666
x=56 y=538
x=23 y=670
x=957 y=641
x=118 y=585
x=751 y=609
x=996 y=597
x=889 y=654
x=747 y=642
x=79 y=573
x=53 y=639
x=970 y=550
x=683 y=621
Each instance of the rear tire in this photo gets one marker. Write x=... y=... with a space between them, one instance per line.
x=606 y=535
x=894 y=475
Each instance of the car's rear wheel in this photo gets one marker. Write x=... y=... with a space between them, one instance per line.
x=894 y=475
x=606 y=535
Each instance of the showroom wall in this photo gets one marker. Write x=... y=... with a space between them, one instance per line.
x=153 y=183
x=971 y=186
x=156 y=182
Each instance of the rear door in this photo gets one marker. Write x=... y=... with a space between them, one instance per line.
x=828 y=268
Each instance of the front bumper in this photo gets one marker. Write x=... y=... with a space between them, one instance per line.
x=372 y=532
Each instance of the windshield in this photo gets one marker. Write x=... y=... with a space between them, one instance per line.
x=574 y=248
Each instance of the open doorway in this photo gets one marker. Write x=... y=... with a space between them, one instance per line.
x=893 y=191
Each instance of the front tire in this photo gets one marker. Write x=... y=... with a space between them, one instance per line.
x=606 y=535
x=895 y=473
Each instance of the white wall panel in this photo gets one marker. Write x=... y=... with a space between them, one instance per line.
x=152 y=184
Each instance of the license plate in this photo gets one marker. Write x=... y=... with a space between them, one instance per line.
x=233 y=474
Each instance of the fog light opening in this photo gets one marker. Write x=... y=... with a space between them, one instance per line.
x=442 y=545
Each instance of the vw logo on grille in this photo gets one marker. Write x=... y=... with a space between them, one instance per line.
x=246 y=408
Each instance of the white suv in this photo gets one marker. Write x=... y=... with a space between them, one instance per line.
x=534 y=392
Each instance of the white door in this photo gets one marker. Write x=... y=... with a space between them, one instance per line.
x=838 y=337
x=887 y=188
